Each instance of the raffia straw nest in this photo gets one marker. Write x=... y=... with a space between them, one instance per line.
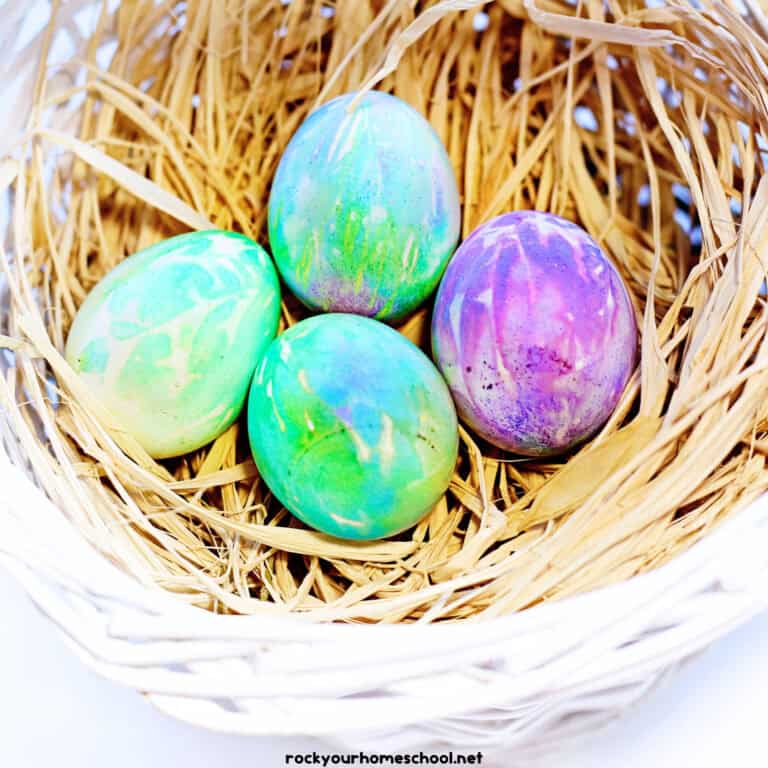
x=642 y=124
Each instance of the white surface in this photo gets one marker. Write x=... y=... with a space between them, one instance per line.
x=54 y=712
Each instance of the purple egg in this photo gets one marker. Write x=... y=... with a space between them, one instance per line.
x=534 y=331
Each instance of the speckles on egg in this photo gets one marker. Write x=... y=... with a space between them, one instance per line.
x=169 y=339
x=355 y=432
x=534 y=331
x=364 y=209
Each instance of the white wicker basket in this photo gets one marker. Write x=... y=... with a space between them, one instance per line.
x=528 y=683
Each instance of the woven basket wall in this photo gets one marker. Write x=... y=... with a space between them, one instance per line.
x=538 y=599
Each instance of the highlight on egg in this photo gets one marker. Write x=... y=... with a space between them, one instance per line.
x=352 y=427
x=364 y=208
x=169 y=339
x=534 y=332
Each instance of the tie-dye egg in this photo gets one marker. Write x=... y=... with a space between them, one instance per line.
x=534 y=332
x=364 y=209
x=352 y=427
x=169 y=339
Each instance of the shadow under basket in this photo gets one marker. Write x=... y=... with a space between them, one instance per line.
x=539 y=598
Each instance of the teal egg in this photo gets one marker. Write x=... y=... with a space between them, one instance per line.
x=169 y=339
x=364 y=209
x=352 y=426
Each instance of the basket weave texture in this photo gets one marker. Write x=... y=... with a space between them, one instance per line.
x=644 y=124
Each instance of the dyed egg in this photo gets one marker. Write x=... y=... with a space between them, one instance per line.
x=352 y=427
x=534 y=332
x=364 y=209
x=169 y=339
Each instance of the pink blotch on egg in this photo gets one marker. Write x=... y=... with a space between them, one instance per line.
x=534 y=331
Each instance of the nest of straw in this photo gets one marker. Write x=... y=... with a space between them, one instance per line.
x=644 y=125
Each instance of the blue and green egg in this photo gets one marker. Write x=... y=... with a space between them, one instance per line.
x=364 y=210
x=169 y=339
x=352 y=426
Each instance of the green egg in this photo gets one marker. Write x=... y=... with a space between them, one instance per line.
x=352 y=426
x=364 y=209
x=169 y=339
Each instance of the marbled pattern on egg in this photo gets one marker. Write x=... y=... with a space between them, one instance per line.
x=352 y=426
x=364 y=209
x=169 y=339
x=534 y=332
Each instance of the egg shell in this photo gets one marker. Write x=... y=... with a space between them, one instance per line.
x=534 y=332
x=364 y=209
x=352 y=427
x=169 y=339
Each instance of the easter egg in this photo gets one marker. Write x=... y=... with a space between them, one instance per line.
x=169 y=339
x=352 y=427
x=534 y=332
x=364 y=209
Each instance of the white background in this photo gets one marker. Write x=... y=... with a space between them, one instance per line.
x=54 y=713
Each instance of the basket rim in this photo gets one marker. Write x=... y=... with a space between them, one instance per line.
x=618 y=639
x=728 y=557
